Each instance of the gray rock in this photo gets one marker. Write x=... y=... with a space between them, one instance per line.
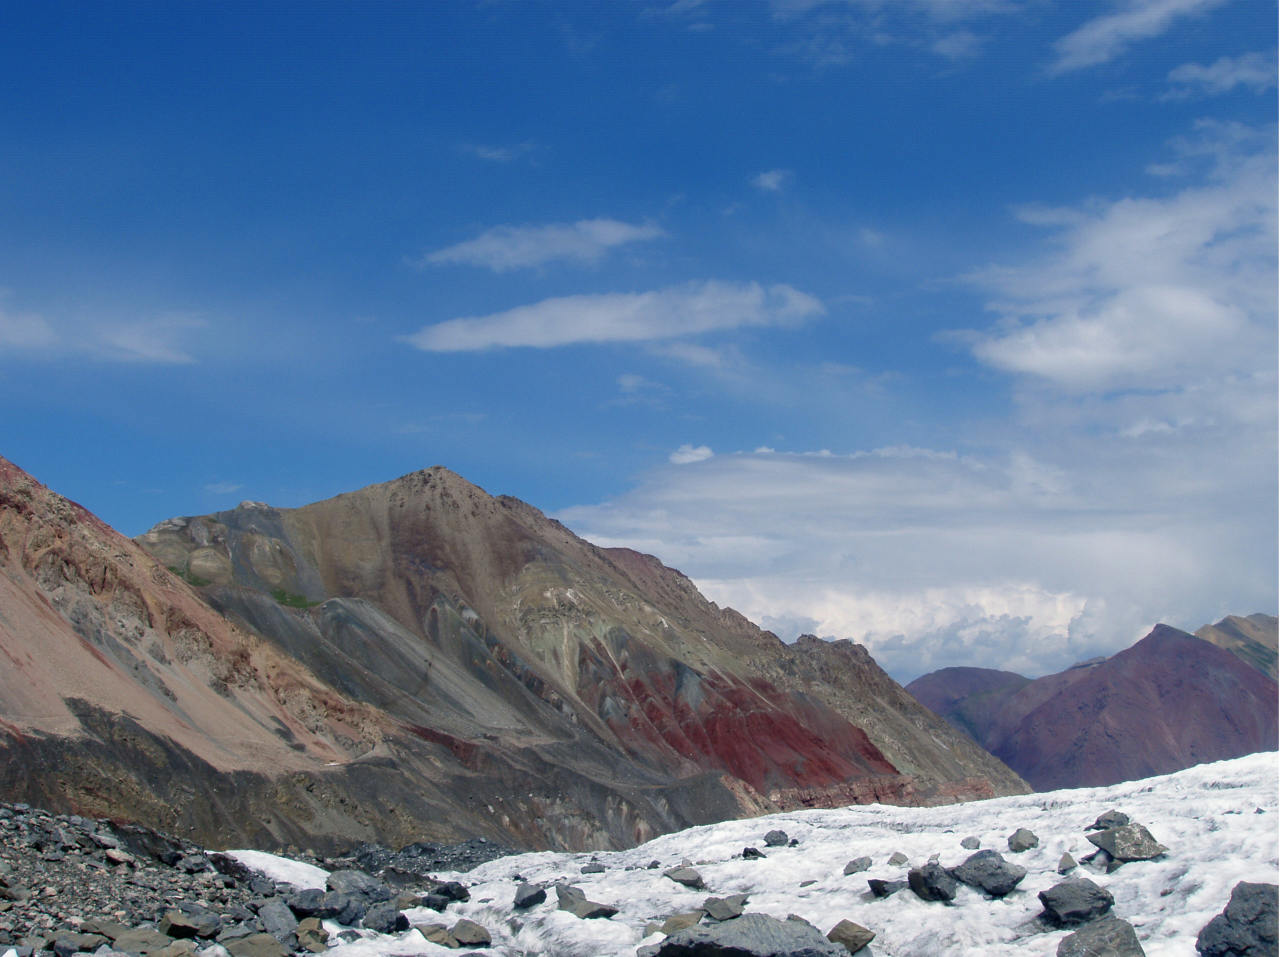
x=471 y=934
x=1108 y=819
x=1022 y=840
x=1246 y=927
x=306 y=903
x=592 y=869
x=752 y=854
x=1066 y=863
x=853 y=937
x=263 y=886
x=591 y=910
x=776 y=838
x=680 y=921
x=751 y=935
x=277 y=920
x=885 y=888
x=312 y=936
x=991 y=872
x=1075 y=900
x=1109 y=937
x=686 y=876
x=1128 y=842
x=567 y=894
x=367 y=888
x=857 y=866
x=932 y=883
x=256 y=945
x=436 y=902
x=724 y=908
x=898 y=859
x=437 y=934
x=385 y=919
x=177 y=925
x=971 y=843
x=452 y=890
x=529 y=895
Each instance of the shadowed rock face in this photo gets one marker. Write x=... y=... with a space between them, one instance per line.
x=1169 y=702
x=413 y=661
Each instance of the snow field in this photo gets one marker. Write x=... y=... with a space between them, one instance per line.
x=1208 y=816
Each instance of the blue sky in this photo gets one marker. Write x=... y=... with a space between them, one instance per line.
x=944 y=325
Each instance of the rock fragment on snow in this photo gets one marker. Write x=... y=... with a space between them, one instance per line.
x=857 y=866
x=898 y=859
x=529 y=895
x=1108 y=819
x=1247 y=927
x=1128 y=842
x=852 y=936
x=724 y=908
x=933 y=883
x=1022 y=840
x=1066 y=863
x=971 y=843
x=751 y=935
x=1109 y=937
x=686 y=876
x=776 y=838
x=678 y=922
x=1075 y=900
x=882 y=888
x=989 y=871
x=471 y=934
x=752 y=854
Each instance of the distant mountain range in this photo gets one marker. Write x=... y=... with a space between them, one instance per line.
x=419 y=660
x=1171 y=701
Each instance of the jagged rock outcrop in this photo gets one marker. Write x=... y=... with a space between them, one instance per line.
x=1253 y=639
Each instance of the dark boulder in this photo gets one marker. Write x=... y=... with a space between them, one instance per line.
x=529 y=895
x=989 y=871
x=1075 y=901
x=1022 y=840
x=932 y=883
x=369 y=889
x=776 y=838
x=853 y=937
x=1108 y=819
x=885 y=888
x=857 y=866
x=385 y=919
x=1109 y=937
x=752 y=854
x=1246 y=928
x=751 y=935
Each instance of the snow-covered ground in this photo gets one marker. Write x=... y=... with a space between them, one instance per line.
x=1219 y=822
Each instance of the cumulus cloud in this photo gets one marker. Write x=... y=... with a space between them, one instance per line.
x=505 y=248
x=1254 y=71
x=687 y=454
x=771 y=181
x=1104 y=38
x=662 y=314
x=1146 y=293
x=1133 y=483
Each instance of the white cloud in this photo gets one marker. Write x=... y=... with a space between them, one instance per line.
x=958 y=45
x=687 y=454
x=1146 y=293
x=1104 y=38
x=522 y=247
x=223 y=488
x=662 y=314
x=771 y=181
x=1252 y=70
x=1134 y=482
x=152 y=340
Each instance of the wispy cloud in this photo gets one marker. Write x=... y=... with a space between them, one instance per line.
x=150 y=341
x=504 y=248
x=223 y=488
x=23 y=331
x=1146 y=293
x=772 y=180
x=499 y=154
x=623 y=317
x=1254 y=71
x=1104 y=38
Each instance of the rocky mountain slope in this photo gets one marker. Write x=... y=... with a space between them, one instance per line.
x=1254 y=640
x=1169 y=702
x=417 y=661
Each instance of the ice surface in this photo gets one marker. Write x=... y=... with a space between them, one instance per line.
x=282 y=869
x=1206 y=816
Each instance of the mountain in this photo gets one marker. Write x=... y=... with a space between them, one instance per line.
x=1253 y=640
x=417 y=661
x=1169 y=702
